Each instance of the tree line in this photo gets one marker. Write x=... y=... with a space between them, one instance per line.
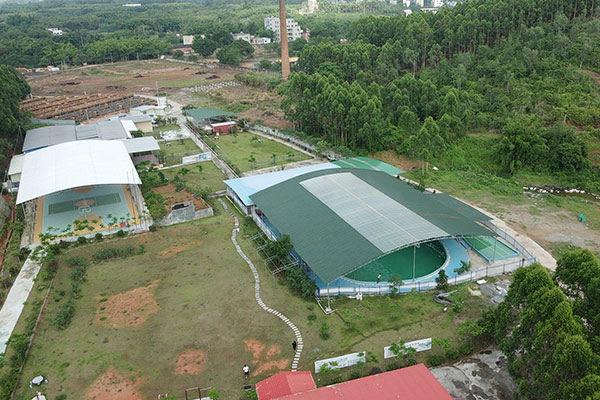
x=13 y=89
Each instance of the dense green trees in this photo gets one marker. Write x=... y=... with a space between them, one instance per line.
x=510 y=67
x=13 y=88
x=547 y=333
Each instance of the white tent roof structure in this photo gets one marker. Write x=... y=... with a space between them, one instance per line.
x=75 y=164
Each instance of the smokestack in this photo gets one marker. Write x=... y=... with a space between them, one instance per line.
x=285 y=55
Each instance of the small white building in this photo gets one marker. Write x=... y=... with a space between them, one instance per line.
x=56 y=31
x=188 y=39
x=243 y=36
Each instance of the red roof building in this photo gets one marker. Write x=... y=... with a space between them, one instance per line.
x=410 y=383
x=285 y=383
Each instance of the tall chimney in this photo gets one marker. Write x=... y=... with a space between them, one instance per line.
x=285 y=55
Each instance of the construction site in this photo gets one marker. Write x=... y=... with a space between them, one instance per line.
x=83 y=107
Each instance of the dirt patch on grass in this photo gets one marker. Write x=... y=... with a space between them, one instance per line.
x=127 y=309
x=256 y=348
x=396 y=160
x=113 y=385
x=273 y=350
x=190 y=362
x=262 y=362
x=279 y=365
x=172 y=196
x=176 y=249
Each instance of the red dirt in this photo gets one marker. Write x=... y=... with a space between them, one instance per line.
x=127 y=309
x=255 y=347
x=172 y=196
x=264 y=363
x=273 y=350
x=113 y=385
x=190 y=362
x=176 y=249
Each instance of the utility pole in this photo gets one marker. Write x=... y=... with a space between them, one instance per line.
x=285 y=54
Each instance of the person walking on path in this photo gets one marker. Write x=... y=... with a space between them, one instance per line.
x=294 y=345
x=378 y=278
x=246 y=370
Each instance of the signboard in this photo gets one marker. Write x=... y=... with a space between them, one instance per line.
x=340 y=362
x=195 y=158
x=418 y=345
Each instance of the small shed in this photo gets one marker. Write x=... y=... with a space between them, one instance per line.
x=224 y=128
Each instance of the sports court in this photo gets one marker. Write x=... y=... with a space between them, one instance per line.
x=490 y=249
x=94 y=207
x=428 y=258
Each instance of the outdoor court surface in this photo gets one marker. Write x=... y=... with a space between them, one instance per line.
x=484 y=245
x=429 y=257
x=100 y=205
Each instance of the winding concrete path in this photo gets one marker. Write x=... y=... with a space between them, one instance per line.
x=257 y=290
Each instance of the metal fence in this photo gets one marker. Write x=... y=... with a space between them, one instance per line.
x=385 y=288
x=274 y=132
x=511 y=240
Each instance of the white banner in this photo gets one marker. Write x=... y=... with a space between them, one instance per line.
x=195 y=158
x=418 y=345
x=340 y=362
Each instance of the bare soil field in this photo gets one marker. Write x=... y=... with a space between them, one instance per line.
x=174 y=79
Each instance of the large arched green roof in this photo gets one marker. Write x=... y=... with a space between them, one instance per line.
x=341 y=219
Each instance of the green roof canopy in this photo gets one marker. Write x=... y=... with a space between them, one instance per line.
x=200 y=114
x=341 y=219
x=368 y=163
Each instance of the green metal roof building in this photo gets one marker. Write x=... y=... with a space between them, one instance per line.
x=342 y=219
x=201 y=114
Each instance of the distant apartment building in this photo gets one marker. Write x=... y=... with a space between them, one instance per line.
x=293 y=29
x=406 y=3
x=437 y=3
x=188 y=40
x=56 y=31
x=254 y=40
x=132 y=5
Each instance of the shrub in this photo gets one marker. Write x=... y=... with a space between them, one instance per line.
x=61 y=397
x=465 y=349
x=152 y=228
x=78 y=274
x=64 y=315
x=121 y=233
x=64 y=244
x=249 y=395
x=452 y=354
x=375 y=370
x=435 y=360
x=311 y=317
x=98 y=236
x=299 y=282
x=76 y=261
x=392 y=366
x=81 y=240
x=324 y=331
x=442 y=281
x=114 y=252
x=355 y=375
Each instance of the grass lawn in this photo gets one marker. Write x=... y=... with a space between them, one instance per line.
x=193 y=294
x=195 y=179
x=239 y=150
x=172 y=151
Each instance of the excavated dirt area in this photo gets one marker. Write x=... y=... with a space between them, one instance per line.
x=113 y=385
x=127 y=309
x=262 y=361
x=190 y=362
